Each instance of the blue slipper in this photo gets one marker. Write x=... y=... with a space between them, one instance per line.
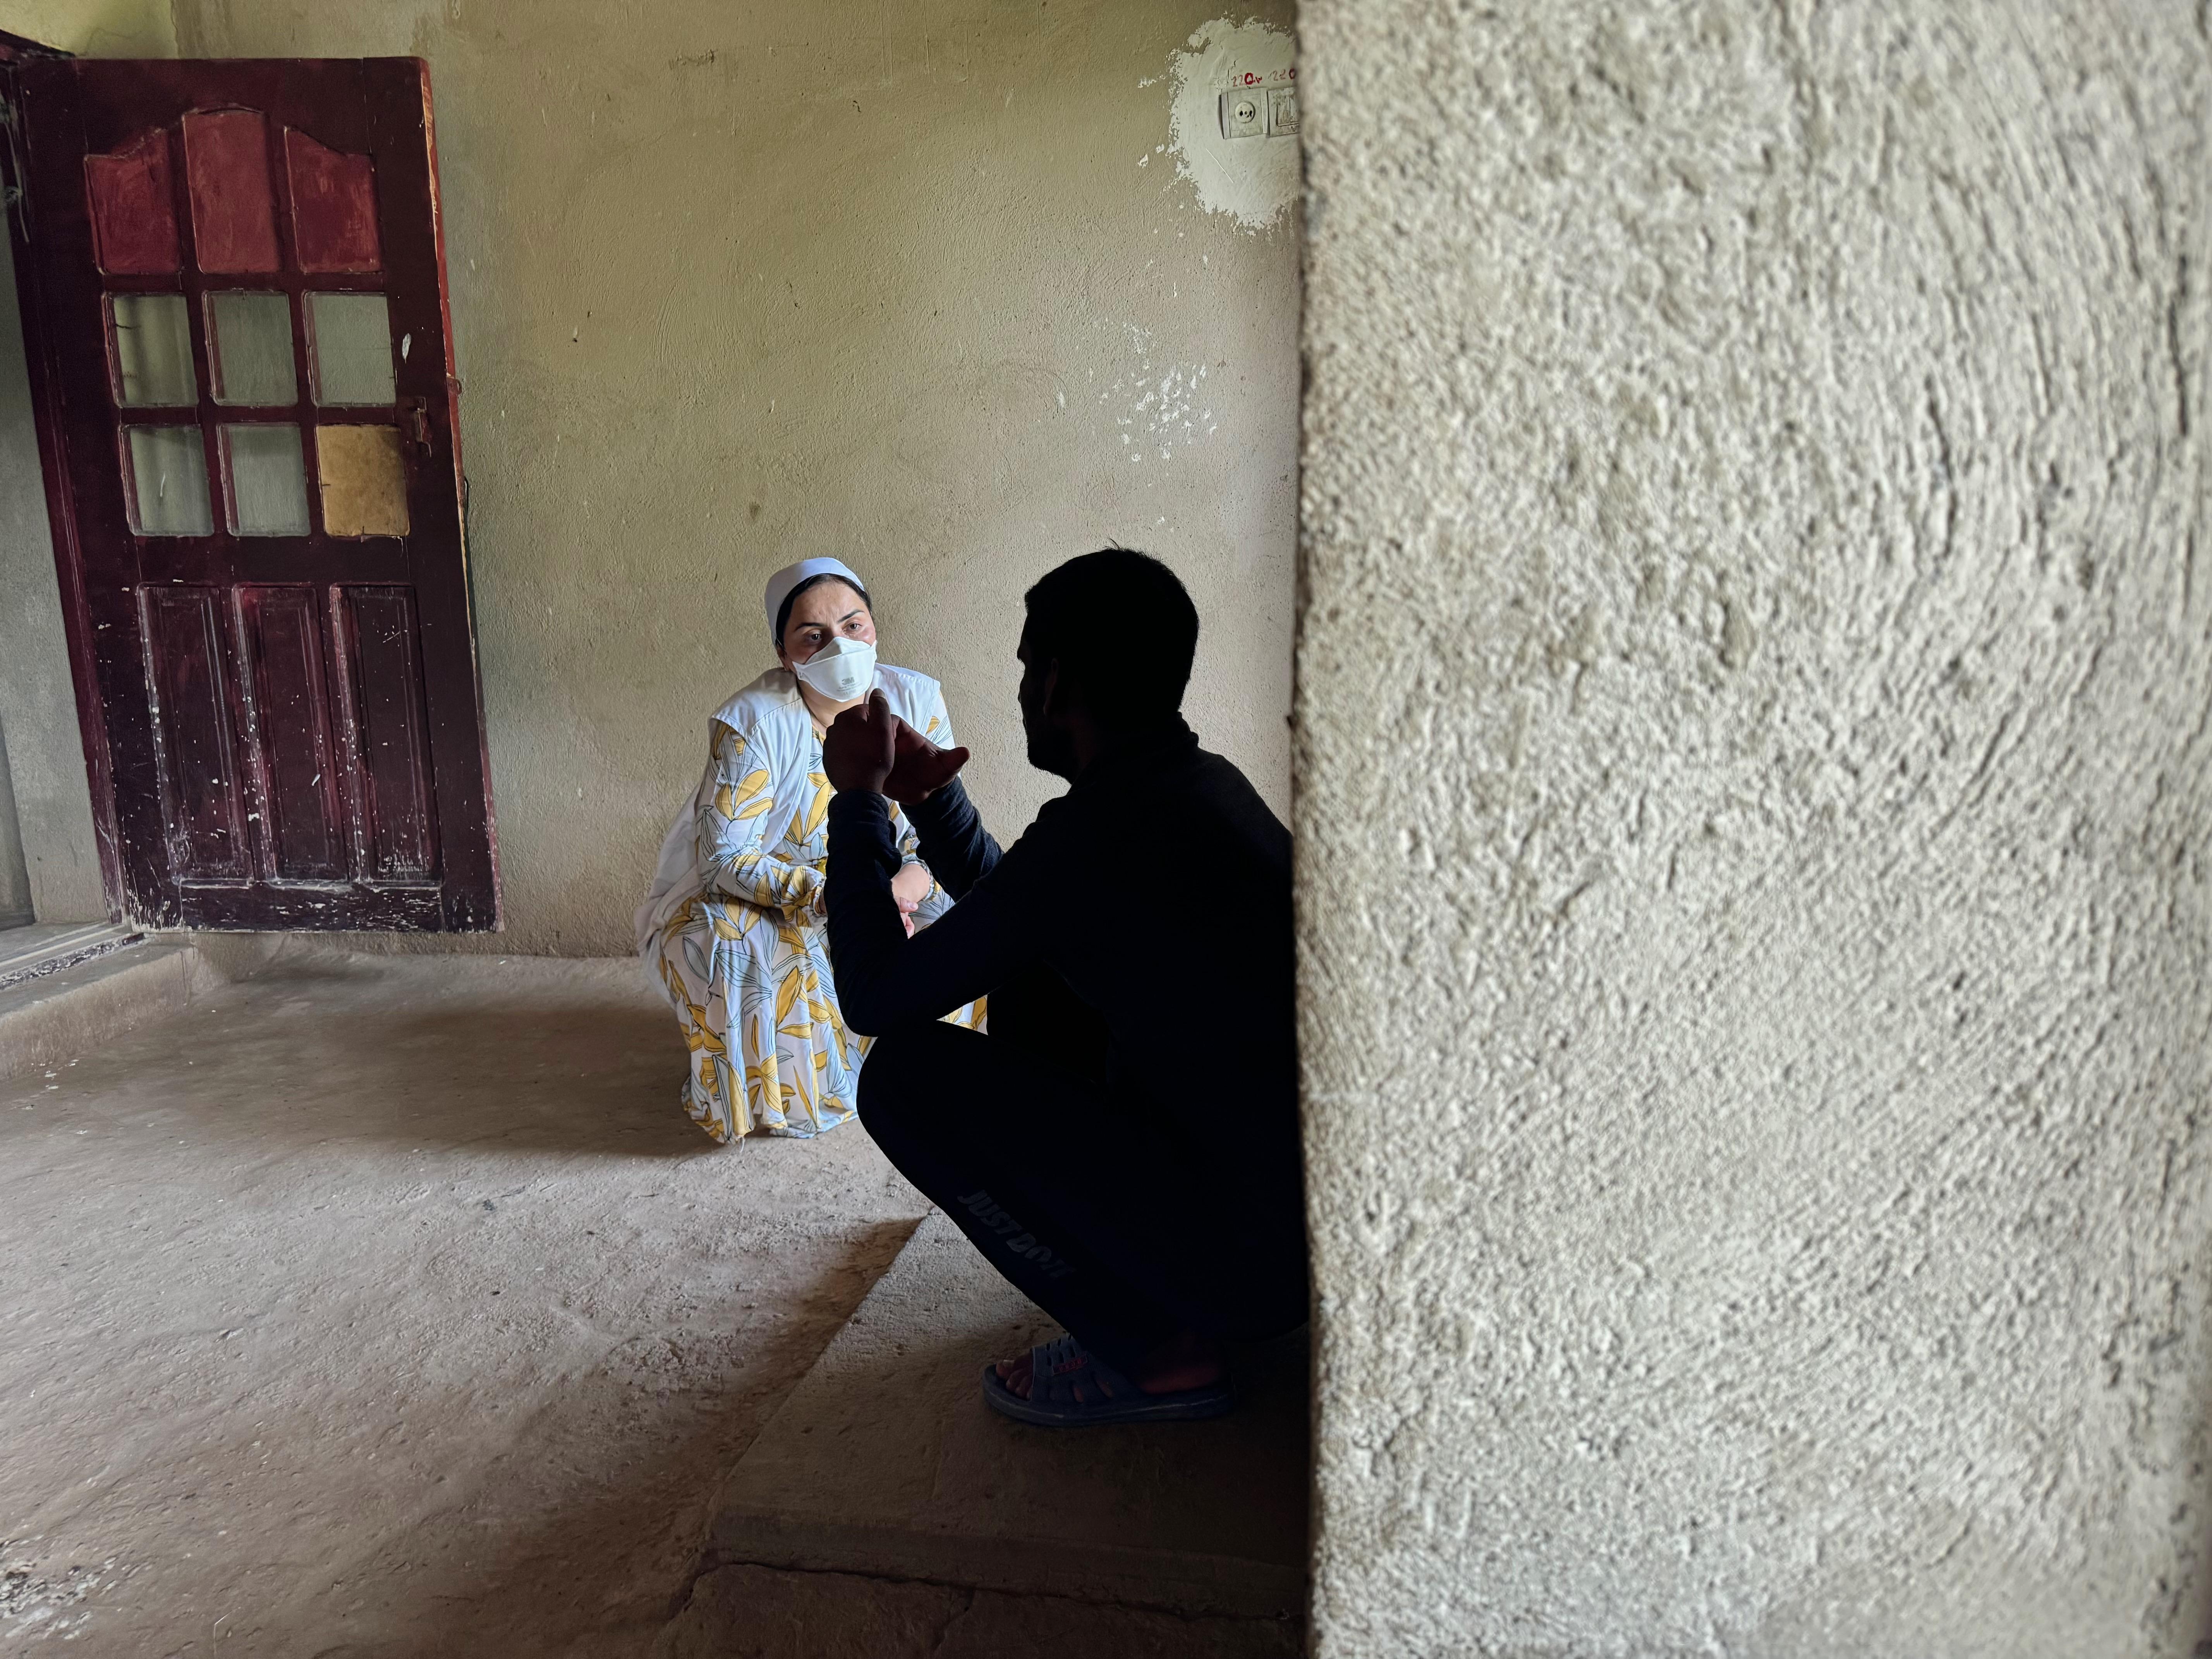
x=1056 y=1368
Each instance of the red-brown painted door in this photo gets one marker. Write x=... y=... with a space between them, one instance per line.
x=234 y=284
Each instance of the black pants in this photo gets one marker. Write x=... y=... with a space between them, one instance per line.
x=1126 y=1225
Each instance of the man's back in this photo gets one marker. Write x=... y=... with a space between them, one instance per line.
x=1158 y=888
x=1185 y=948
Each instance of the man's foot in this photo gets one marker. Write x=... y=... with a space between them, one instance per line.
x=1184 y=1362
x=1064 y=1385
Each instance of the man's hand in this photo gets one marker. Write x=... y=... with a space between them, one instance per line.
x=921 y=767
x=860 y=745
x=910 y=886
x=869 y=747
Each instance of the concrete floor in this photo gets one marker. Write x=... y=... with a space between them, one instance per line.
x=886 y=1462
x=389 y=1306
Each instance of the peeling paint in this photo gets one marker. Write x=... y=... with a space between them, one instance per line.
x=38 y=1598
x=1253 y=180
x=1158 y=408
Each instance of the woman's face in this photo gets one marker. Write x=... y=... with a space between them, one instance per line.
x=826 y=611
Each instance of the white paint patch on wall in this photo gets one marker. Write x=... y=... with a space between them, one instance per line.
x=1253 y=180
x=1159 y=409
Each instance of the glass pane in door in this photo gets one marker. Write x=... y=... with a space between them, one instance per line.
x=333 y=207
x=267 y=482
x=351 y=334
x=168 y=492
x=151 y=348
x=249 y=348
x=364 y=480
x=226 y=175
x=133 y=207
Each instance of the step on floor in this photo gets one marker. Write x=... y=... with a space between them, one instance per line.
x=35 y=951
x=885 y=1461
x=81 y=999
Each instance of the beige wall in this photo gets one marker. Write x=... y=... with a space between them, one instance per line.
x=1754 y=781
x=15 y=906
x=49 y=862
x=95 y=29
x=735 y=284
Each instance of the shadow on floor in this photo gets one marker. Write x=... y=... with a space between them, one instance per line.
x=431 y=1056
x=579 y=1537
x=395 y=1309
x=590 y=1078
x=596 y=1569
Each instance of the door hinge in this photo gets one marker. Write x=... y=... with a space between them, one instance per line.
x=415 y=425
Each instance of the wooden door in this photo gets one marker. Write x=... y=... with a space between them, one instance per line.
x=233 y=277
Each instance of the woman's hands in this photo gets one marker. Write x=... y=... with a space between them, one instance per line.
x=910 y=887
x=868 y=747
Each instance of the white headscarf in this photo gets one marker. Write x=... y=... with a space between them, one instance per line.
x=781 y=584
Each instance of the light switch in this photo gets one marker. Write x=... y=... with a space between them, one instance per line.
x=1243 y=114
x=1282 y=110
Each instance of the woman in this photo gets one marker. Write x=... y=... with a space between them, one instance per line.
x=733 y=928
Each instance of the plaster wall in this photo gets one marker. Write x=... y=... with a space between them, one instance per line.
x=95 y=29
x=736 y=285
x=49 y=860
x=1754 y=776
x=57 y=860
x=15 y=874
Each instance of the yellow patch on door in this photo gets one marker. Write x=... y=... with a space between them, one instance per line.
x=364 y=481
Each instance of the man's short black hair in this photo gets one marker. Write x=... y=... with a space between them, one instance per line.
x=783 y=610
x=1122 y=626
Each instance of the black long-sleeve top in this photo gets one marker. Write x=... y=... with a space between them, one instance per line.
x=1159 y=887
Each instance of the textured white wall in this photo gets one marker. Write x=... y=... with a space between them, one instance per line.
x=1753 y=791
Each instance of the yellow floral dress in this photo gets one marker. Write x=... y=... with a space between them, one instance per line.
x=734 y=930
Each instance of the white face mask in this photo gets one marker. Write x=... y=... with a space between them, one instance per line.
x=841 y=670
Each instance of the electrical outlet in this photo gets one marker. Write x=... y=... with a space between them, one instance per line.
x=1282 y=111
x=1244 y=114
